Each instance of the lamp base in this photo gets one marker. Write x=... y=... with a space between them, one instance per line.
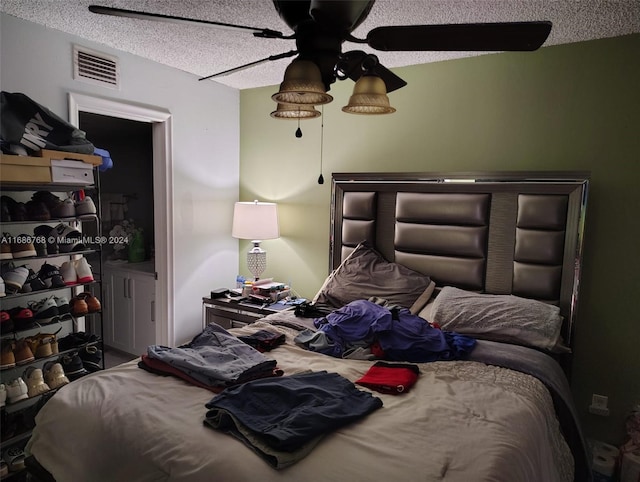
x=256 y=260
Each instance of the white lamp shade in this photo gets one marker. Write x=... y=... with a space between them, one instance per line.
x=255 y=220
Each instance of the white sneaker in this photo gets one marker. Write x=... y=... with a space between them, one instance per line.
x=35 y=382
x=17 y=390
x=64 y=210
x=15 y=278
x=83 y=270
x=68 y=273
x=44 y=311
x=3 y=394
x=86 y=208
x=54 y=375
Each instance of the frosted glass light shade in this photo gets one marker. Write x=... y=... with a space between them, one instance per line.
x=369 y=97
x=302 y=84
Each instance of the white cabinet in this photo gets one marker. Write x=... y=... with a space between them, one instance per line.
x=129 y=311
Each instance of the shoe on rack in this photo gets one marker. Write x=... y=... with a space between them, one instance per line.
x=7 y=358
x=14 y=458
x=22 y=352
x=5 y=201
x=83 y=270
x=44 y=311
x=40 y=346
x=17 y=210
x=22 y=317
x=64 y=210
x=50 y=339
x=22 y=247
x=91 y=357
x=3 y=291
x=72 y=366
x=79 y=306
x=15 y=278
x=76 y=340
x=33 y=283
x=69 y=238
x=34 y=379
x=50 y=199
x=86 y=208
x=54 y=375
x=63 y=305
x=93 y=303
x=51 y=276
x=68 y=272
x=3 y=394
x=40 y=245
x=46 y=233
x=17 y=390
x=37 y=211
x=5 y=246
x=6 y=323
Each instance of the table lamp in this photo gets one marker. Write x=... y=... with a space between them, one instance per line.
x=255 y=221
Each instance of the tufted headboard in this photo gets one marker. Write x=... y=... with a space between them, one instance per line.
x=517 y=233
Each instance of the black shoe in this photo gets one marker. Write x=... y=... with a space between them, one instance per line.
x=33 y=283
x=51 y=276
x=17 y=210
x=91 y=357
x=47 y=235
x=5 y=202
x=37 y=211
x=75 y=340
x=72 y=366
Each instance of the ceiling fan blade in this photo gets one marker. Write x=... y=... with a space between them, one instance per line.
x=290 y=53
x=120 y=12
x=513 y=36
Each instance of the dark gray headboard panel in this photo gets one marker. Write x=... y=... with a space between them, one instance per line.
x=501 y=233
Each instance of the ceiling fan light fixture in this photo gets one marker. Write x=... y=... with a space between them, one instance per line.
x=369 y=97
x=302 y=85
x=293 y=111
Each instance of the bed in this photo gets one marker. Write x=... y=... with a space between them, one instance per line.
x=494 y=255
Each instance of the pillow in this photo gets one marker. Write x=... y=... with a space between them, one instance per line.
x=365 y=274
x=505 y=318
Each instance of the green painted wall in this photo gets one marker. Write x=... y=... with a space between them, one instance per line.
x=569 y=107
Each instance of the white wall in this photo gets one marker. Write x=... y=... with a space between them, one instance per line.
x=37 y=61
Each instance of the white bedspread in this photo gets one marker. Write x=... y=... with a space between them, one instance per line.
x=463 y=421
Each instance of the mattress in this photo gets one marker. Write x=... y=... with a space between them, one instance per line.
x=462 y=420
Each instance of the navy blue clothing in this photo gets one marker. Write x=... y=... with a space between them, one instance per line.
x=401 y=335
x=282 y=419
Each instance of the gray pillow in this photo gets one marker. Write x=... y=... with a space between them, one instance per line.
x=365 y=274
x=505 y=318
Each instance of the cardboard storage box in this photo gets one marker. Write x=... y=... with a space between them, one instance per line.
x=71 y=172
x=71 y=156
x=24 y=169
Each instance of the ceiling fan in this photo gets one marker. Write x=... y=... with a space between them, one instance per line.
x=320 y=27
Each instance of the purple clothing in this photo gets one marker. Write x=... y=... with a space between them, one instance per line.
x=401 y=335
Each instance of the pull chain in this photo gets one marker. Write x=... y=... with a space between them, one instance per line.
x=298 y=130
x=320 y=177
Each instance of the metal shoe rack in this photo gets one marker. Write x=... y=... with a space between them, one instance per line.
x=17 y=418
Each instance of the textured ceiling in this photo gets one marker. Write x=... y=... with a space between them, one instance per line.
x=203 y=50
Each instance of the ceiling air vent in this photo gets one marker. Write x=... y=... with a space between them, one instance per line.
x=95 y=67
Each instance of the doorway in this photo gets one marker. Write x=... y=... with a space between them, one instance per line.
x=162 y=192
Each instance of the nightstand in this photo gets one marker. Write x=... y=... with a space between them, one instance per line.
x=230 y=313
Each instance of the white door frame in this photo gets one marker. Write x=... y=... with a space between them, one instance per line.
x=163 y=194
